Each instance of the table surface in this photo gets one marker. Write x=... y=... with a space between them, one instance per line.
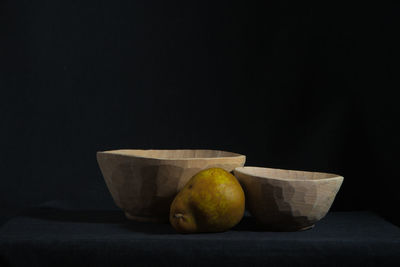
x=54 y=236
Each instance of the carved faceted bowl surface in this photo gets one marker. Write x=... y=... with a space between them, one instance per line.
x=287 y=200
x=143 y=183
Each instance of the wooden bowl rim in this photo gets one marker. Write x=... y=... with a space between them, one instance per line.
x=242 y=170
x=231 y=155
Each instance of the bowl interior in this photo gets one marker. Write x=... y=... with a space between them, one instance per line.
x=174 y=153
x=285 y=174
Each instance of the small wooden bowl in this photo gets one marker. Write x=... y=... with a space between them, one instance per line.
x=143 y=183
x=286 y=200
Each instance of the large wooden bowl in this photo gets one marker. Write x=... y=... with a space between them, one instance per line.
x=143 y=183
x=286 y=200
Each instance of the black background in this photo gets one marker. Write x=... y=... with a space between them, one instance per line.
x=290 y=84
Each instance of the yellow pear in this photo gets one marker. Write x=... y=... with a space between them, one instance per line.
x=211 y=201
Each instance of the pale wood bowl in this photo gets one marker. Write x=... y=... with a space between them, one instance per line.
x=143 y=183
x=286 y=200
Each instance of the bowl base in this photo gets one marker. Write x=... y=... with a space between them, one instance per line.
x=145 y=219
x=274 y=228
x=306 y=228
x=297 y=229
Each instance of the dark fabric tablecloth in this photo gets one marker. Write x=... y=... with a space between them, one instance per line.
x=54 y=236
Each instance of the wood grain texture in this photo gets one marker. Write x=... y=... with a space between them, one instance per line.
x=287 y=200
x=143 y=183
